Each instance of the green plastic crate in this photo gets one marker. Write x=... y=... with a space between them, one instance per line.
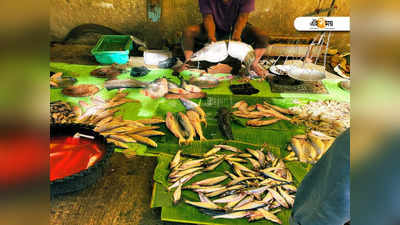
x=112 y=49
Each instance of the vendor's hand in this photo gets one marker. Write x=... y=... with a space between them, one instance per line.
x=212 y=39
x=236 y=37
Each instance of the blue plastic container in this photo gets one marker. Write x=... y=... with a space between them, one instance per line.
x=112 y=49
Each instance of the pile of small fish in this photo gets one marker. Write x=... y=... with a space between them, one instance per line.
x=260 y=111
x=255 y=192
x=187 y=125
x=329 y=116
x=309 y=148
x=158 y=88
x=117 y=130
x=62 y=112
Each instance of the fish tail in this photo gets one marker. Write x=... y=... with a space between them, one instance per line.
x=182 y=141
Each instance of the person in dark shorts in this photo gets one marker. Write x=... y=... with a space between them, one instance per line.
x=222 y=20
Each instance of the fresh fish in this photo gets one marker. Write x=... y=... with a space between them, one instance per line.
x=233 y=159
x=217 y=193
x=57 y=80
x=318 y=144
x=123 y=138
x=204 y=198
x=232 y=176
x=258 y=190
x=224 y=123
x=286 y=196
x=298 y=148
x=269 y=216
x=189 y=95
x=255 y=163
x=234 y=203
x=235 y=215
x=289 y=187
x=205 y=205
x=195 y=121
x=189 y=105
x=311 y=151
x=151 y=121
x=209 y=189
x=239 y=179
x=177 y=194
x=250 y=205
x=243 y=52
x=214 y=52
x=273 y=176
x=103 y=122
x=260 y=123
x=149 y=133
x=173 y=88
x=189 y=87
x=249 y=115
x=230 y=198
x=205 y=189
x=117 y=144
x=183 y=180
x=156 y=89
x=212 y=151
x=277 y=108
x=229 y=148
x=245 y=155
x=144 y=140
x=104 y=114
x=278 y=198
x=213 y=166
x=211 y=181
x=276 y=114
x=185 y=122
x=128 y=83
x=173 y=126
x=204 y=81
x=268 y=198
x=184 y=172
x=246 y=200
x=82 y=90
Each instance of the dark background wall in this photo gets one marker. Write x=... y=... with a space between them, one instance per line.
x=130 y=16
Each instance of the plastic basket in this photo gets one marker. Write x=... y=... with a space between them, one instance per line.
x=112 y=49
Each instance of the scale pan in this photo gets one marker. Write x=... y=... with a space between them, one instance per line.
x=305 y=74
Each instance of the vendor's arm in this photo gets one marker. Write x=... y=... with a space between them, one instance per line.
x=239 y=26
x=209 y=24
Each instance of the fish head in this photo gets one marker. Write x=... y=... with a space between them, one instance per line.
x=188 y=104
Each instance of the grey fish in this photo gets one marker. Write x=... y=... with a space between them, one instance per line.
x=211 y=181
x=250 y=205
x=204 y=81
x=246 y=200
x=183 y=180
x=128 y=83
x=235 y=215
x=205 y=205
x=214 y=52
x=184 y=172
x=286 y=196
x=269 y=216
x=278 y=198
x=259 y=190
x=188 y=164
x=230 y=198
x=274 y=176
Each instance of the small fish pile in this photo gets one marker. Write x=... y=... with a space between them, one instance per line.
x=258 y=112
x=186 y=126
x=100 y=114
x=329 y=116
x=309 y=148
x=259 y=185
x=62 y=112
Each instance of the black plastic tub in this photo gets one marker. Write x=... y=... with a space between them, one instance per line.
x=84 y=178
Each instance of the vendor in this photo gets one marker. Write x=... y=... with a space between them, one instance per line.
x=222 y=20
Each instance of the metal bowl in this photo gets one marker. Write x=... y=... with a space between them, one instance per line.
x=85 y=178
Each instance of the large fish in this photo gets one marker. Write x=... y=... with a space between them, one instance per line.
x=157 y=88
x=173 y=126
x=189 y=105
x=219 y=51
x=187 y=126
x=195 y=120
x=224 y=122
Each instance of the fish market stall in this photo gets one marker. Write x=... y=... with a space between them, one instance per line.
x=273 y=136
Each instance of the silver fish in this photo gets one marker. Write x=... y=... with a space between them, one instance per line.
x=235 y=215
x=184 y=172
x=248 y=199
x=212 y=151
x=250 y=205
x=230 y=198
x=269 y=216
x=255 y=163
x=177 y=194
x=204 y=198
x=214 y=52
x=278 y=198
x=204 y=81
x=188 y=164
x=259 y=190
x=211 y=181
x=213 y=166
x=205 y=205
x=274 y=176
x=176 y=160
x=183 y=180
x=286 y=196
